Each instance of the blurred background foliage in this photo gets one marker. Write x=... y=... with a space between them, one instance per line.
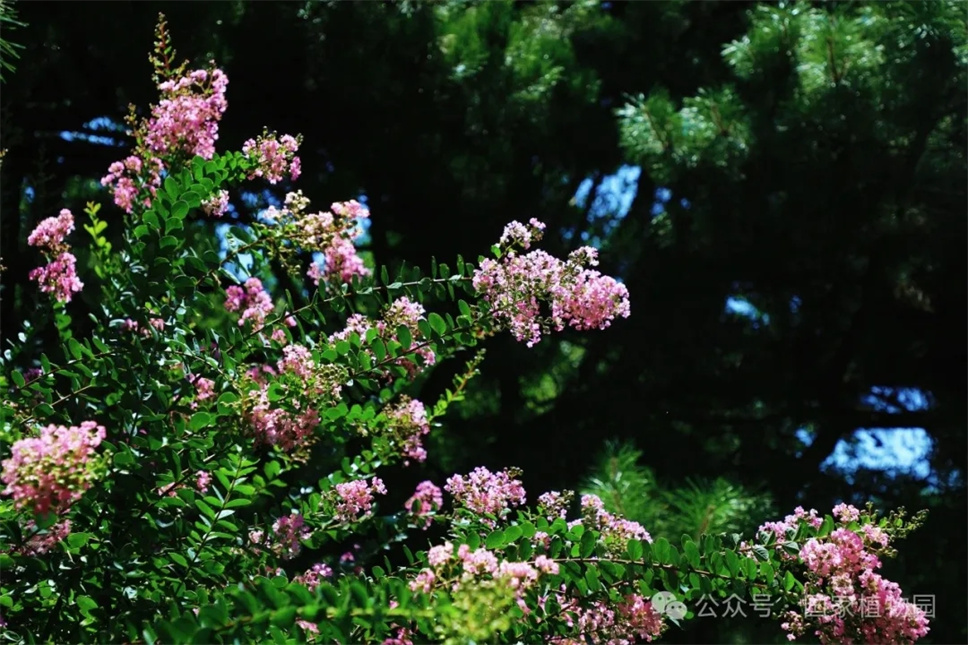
x=782 y=186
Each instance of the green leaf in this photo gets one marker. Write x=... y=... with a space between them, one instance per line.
x=826 y=527
x=437 y=323
x=18 y=378
x=178 y=558
x=200 y=420
x=512 y=533
x=277 y=392
x=588 y=542
x=767 y=570
x=404 y=336
x=172 y=187
x=379 y=348
x=180 y=209
x=75 y=348
x=85 y=603
x=228 y=398
x=634 y=550
x=691 y=550
x=495 y=540
x=788 y=581
x=204 y=508
x=465 y=308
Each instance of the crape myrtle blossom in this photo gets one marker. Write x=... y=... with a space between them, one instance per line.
x=630 y=621
x=185 y=121
x=51 y=233
x=616 y=531
x=203 y=480
x=217 y=205
x=451 y=569
x=401 y=311
x=330 y=233
x=132 y=325
x=485 y=493
x=204 y=388
x=518 y=287
x=274 y=156
x=402 y=636
x=407 y=424
x=40 y=543
x=252 y=300
x=290 y=431
x=182 y=125
x=314 y=576
x=286 y=536
x=554 y=504
x=59 y=275
x=289 y=422
x=131 y=177
x=845 y=600
x=50 y=472
x=354 y=500
x=426 y=500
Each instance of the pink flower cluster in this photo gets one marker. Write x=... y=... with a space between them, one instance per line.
x=470 y=566
x=517 y=234
x=330 y=233
x=288 y=431
x=40 y=543
x=788 y=527
x=307 y=385
x=129 y=177
x=401 y=311
x=555 y=504
x=613 y=529
x=314 y=576
x=845 y=600
x=287 y=534
x=355 y=499
x=204 y=388
x=52 y=471
x=486 y=493
x=426 y=500
x=186 y=119
x=217 y=205
x=408 y=423
x=631 y=621
x=402 y=637
x=183 y=124
x=253 y=301
x=203 y=480
x=516 y=287
x=312 y=379
x=132 y=325
x=51 y=232
x=274 y=156
x=59 y=275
